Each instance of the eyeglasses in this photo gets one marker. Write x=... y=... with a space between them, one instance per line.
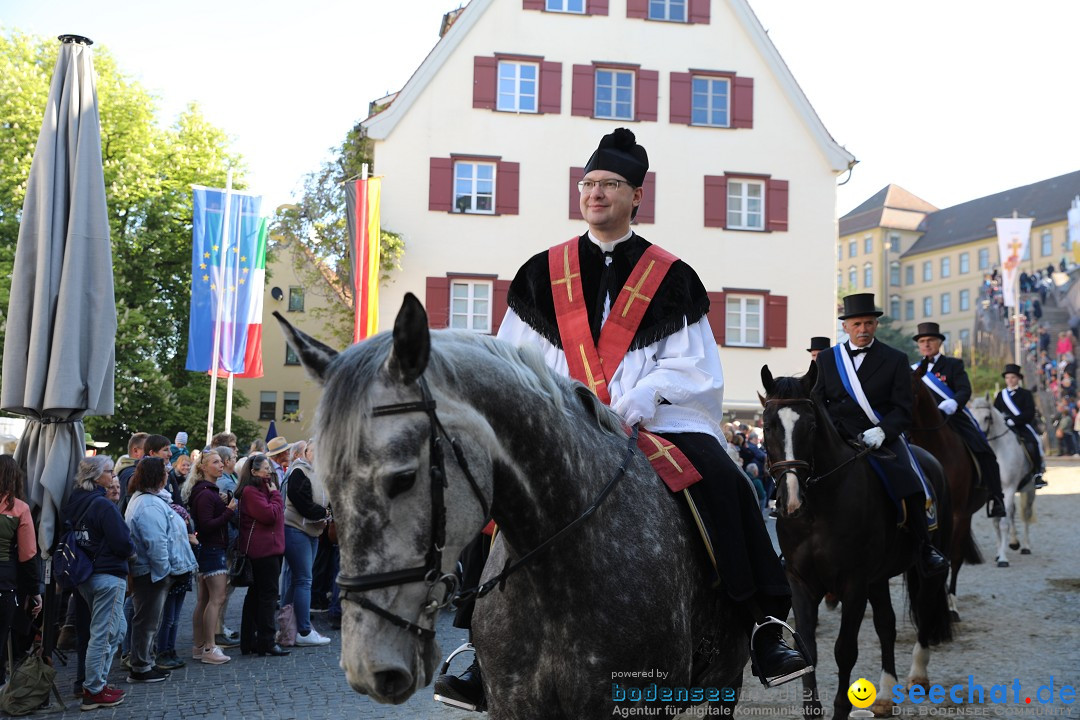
x=587 y=186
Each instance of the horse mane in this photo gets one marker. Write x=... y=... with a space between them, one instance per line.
x=787 y=388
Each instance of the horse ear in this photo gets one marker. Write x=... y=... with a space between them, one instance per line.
x=767 y=379
x=314 y=356
x=412 y=341
x=810 y=378
x=761 y=399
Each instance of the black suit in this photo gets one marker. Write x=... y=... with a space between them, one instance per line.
x=886 y=379
x=1025 y=403
x=950 y=371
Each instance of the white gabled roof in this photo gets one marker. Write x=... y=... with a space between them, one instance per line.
x=380 y=126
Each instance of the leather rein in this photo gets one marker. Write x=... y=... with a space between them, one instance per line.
x=430 y=572
x=776 y=469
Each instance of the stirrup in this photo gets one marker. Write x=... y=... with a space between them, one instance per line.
x=465 y=647
x=454 y=702
x=800 y=646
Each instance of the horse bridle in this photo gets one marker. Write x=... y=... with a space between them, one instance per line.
x=777 y=469
x=431 y=571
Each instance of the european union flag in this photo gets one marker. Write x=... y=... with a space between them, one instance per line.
x=221 y=269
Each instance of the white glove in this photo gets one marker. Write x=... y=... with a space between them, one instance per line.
x=873 y=438
x=637 y=406
x=1010 y=422
x=947 y=406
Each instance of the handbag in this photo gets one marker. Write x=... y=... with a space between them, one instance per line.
x=286 y=626
x=241 y=573
x=28 y=687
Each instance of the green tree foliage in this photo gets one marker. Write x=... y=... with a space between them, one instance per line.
x=318 y=224
x=149 y=170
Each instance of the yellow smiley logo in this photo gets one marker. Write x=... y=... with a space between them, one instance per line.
x=862 y=693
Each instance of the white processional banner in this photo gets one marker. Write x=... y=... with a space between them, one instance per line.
x=1074 y=232
x=1013 y=237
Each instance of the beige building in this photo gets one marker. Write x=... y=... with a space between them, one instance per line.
x=481 y=150
x=285 y=393
x=925 y=264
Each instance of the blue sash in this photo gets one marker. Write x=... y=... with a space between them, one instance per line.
x=935 y=384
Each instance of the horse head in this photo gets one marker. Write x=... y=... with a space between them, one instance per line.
x=790 y=424
x=381 y=426
x=984 y=413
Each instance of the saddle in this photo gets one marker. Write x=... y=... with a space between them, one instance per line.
x=898 y=503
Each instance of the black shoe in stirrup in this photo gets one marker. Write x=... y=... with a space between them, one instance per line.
x=465 y=691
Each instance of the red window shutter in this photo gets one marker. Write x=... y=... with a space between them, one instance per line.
x=506 y=188
x=742 y=103
x=647 y=95
x=498 y=306
x=581 y=93
x=532 y=4
x=715 y=201
x=576 y=173
x=699 y=11
x=637 y=8
x=647 y=210
x=776 y=205
x=441 y=185
x=550 y=87
x=596 y=7
x=681 y=103
x=484 y=71
x=437 y=302
x=717 y=316
x=776 y=321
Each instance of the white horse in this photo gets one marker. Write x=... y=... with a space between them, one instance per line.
x=1015 y=466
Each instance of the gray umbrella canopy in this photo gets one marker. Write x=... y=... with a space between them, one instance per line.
x=59 y=354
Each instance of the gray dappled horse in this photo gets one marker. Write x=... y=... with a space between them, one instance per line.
x=837 y=529
x=626 y=593
x=1015 y=465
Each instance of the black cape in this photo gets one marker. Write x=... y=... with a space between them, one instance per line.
x=681 y=299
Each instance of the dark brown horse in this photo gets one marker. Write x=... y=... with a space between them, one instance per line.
x=930 y=431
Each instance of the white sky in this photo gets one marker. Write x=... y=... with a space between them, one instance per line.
x=951 y=99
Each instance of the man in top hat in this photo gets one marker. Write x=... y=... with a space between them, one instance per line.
x=884 y=377
x=946 y=378
x=817 y=344
x=1017 y=404
x=611 y=294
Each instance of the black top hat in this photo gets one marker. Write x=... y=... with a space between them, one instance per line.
x=819 y=343
x=1013 y=369
x=928 y=329
x=859 y=305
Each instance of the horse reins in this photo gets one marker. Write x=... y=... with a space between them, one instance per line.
x=777 y=469
x=430 y=572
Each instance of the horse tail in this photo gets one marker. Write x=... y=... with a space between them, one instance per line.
x=972 y=556
x=928 y=605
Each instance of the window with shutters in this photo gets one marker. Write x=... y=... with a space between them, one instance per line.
x=614 y=98
x=710 y=98
x=670 y=10
x=474 y=188
x=470 y=305
x=748 y=317
x=566 y=6
x=746 y=205
x=745 y=321
x=519 y=86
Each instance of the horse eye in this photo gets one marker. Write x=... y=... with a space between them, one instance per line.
x=399 y=483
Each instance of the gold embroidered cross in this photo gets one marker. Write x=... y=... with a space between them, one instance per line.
x=635 y=292
x=662 y=451
x=593 y=382
x=568 y=275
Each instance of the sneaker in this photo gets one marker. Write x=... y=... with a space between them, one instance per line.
x=108 y=696
x=312 y=638
x=223 y=640
x=196 y=652
x=230 y=633
x=153 y=675
x=214 y=656
x=125 y=660
x=169 y=661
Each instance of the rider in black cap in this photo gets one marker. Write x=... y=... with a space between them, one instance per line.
x=1017 y=404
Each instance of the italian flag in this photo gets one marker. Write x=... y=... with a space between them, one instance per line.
x=253 y=360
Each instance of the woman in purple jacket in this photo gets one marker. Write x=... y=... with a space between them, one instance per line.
x=262 y=539
x=211 y=516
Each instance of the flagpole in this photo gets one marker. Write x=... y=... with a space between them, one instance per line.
x=361 y=231
x=1016 y=318
x=228 y=404
x=220 y=307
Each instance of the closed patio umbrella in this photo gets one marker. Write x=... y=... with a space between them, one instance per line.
x=59 y=353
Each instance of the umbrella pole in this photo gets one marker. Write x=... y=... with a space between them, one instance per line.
x=220 y=308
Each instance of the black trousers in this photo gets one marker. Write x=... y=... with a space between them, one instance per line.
x=1031 y=444
x=730 y=512
x=980 y=448
x=257 y=626
x=7 y=614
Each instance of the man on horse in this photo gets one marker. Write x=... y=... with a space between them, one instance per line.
x=629 y=320
x=817 y=344
x=1017 y=404
x=945 y=376
x=865 y=387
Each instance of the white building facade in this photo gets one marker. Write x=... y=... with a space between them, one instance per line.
x=481 y=150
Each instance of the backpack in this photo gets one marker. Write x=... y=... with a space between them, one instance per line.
x=28 y=687
x=71 y=565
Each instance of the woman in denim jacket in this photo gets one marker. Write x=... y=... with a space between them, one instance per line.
x=163 y=555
